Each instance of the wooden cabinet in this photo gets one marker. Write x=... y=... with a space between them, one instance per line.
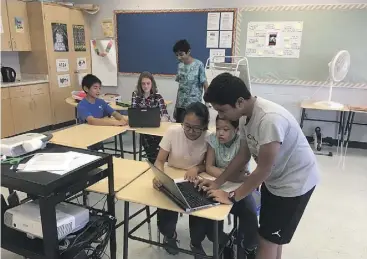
x=16 y=35
x=22 y=114
x=25 y=108
x=5 y=36
x=7 y=124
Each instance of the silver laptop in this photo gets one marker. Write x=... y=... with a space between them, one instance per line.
x=183 y=192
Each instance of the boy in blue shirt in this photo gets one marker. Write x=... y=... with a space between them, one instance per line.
x=190 y=77
x=92 y=109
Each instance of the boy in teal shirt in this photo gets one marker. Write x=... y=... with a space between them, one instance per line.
x=190 y=77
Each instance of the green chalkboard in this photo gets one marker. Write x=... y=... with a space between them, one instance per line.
x=325 y=32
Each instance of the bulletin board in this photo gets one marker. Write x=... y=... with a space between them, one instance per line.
x=145 y=38
x=325 y=30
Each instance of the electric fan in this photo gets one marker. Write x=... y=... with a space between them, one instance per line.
x=338 y=69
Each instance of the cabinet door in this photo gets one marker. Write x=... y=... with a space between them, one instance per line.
x=19 y=26
x=41 y=110
x=22 y=114
x=7 y=125
x=5 y=33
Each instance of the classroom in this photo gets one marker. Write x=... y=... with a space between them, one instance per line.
x=183 y=129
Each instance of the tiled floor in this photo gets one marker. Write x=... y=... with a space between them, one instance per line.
x=333 y=227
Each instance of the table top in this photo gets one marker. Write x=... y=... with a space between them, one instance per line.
x=70 y=100
x=155 y=131
x=43 y=183
x=124 y=171
x=85 y=135
x=316 y=105
x=141 y=191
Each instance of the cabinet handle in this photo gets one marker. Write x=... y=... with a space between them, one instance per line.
x=30 y=105
x=15 y=44
x=9 y=43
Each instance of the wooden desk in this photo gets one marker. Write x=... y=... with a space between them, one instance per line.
x=141 y=191
x=315 y=105
x=155 y=131
x=151 y=197
x=84 y=135
x=125 y=172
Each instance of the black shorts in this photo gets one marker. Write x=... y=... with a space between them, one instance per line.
x=279 y=216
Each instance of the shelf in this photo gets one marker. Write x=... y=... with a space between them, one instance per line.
x=18 y=243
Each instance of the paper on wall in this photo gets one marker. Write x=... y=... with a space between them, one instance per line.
x=19 y=24
x=81 y=63
x=218 y=55
x=213 y=21
x=225 y=40
x=63 y=80
x=226 y=21
x=212 y=38
x=274 y=39
x=62 y=65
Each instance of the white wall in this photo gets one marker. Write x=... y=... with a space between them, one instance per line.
x=288 y=96
x=11 y=59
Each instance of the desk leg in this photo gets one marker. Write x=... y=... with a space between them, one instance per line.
x=140 y=146
x=121 y=145
x=134 y=145
x=48 y=221
x=216 y=240
x=343 y=126
x=349 y=126
x=126 y=231
x=303 y=115
x=111 y=207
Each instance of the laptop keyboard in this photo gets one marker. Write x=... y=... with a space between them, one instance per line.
x=194 y=197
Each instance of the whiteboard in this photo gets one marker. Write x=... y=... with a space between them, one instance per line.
x=105 y=68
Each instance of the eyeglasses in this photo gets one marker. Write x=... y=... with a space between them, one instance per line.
x=188 y=127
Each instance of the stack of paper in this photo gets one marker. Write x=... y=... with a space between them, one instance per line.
x=57 y=163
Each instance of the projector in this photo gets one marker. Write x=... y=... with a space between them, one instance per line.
x=26 y=218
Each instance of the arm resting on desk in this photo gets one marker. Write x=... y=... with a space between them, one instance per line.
x=104 y=122
x=120 y=117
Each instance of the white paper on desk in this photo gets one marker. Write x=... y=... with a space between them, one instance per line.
x=78 y=160
x=213 y=21
x=212 y=38
x=226 y=21
x=48 y=162
x=225 y=40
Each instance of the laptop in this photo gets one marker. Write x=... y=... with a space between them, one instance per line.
x=144 y=117
x=183 y=192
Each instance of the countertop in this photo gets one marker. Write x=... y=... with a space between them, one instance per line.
x=27 y=80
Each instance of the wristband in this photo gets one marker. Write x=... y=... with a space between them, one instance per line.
x=231 y=197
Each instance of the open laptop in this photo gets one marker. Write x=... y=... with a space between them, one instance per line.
x=144 y=117
x=183 y=192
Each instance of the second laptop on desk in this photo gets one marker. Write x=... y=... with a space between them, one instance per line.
x=144 y=117
x=182 y=192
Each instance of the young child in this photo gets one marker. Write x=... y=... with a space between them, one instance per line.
x=146 y=96
x=223 y=146
x=92 y=109
x=185 y=148
x=190 y=77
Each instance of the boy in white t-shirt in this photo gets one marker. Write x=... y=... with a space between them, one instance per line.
x=286 y=164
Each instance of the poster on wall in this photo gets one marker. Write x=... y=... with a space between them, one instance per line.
x=62 y=65
x=107 y=28
x=80 y=78
x=274 y=39
x=79 y=38
x=81 y=63
x=19 y=24
x=63 y=80
x=60 y=37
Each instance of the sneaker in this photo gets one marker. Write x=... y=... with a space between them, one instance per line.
x=199 y=250
x=250 y=254
x=171 y=243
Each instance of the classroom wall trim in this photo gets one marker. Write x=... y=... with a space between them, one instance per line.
x=306 y=7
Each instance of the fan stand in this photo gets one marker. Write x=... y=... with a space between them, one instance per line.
x=330 y=104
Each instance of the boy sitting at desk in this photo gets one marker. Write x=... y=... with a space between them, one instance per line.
x=92 y=109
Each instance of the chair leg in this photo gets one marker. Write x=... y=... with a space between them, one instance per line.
x=147 y=209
